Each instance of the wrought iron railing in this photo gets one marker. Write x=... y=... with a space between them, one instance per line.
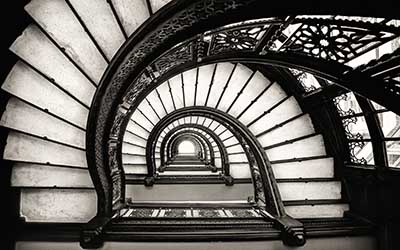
x=317 y=45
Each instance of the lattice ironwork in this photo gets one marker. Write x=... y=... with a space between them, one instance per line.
x=137 y=213
x=188 y=213
x=208 y=213
x=175 y=213
x=243 y=213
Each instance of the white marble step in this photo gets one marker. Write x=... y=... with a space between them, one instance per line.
x=28 y=85
x=135 y=168
x=189 y=78
x=21 y=147
x=317 y=211
x=235 y=149
x=241 y=75
x=194 y=165
x=213 y=126
x=100 y=21
x=177 y=93
x=177 y=173
x=221 y=77
x=312 y=190
x=57 y=205
x=231 y=141
x=137 y=130
x=238 y=157
x=266 y=101
x=204 y=79
x=312 y=146
x=156 y=104
x=320 y=168
x=146 y=109
x=132 y=149
x=219 y=130
x=59 y=21
x=286 y=110
x=298 y=127
x=34 y=47
x=23 y=117
x=239 y=171
x=141 y=119
x=190 y=192
x=256 y=85
x=165 y=97
x=129 y=137
x=225 y=135
x=35 y=175
x=158 y=4
x=131 y=13
x=218 y=163
x=133 y=159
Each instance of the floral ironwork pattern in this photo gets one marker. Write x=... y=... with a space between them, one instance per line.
x=334 y=41
x=245 y=38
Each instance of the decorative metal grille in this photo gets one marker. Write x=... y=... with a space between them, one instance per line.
x=356 y=141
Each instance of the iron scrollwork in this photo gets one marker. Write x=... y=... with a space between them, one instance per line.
x=355 y=140
x=301 y=77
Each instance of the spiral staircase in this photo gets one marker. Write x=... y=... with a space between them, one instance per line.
x=172 y=200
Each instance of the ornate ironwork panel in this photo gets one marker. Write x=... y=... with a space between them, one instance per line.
x=340 y=41
x=242 y=38
x=181 y=54
x=355 y=140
